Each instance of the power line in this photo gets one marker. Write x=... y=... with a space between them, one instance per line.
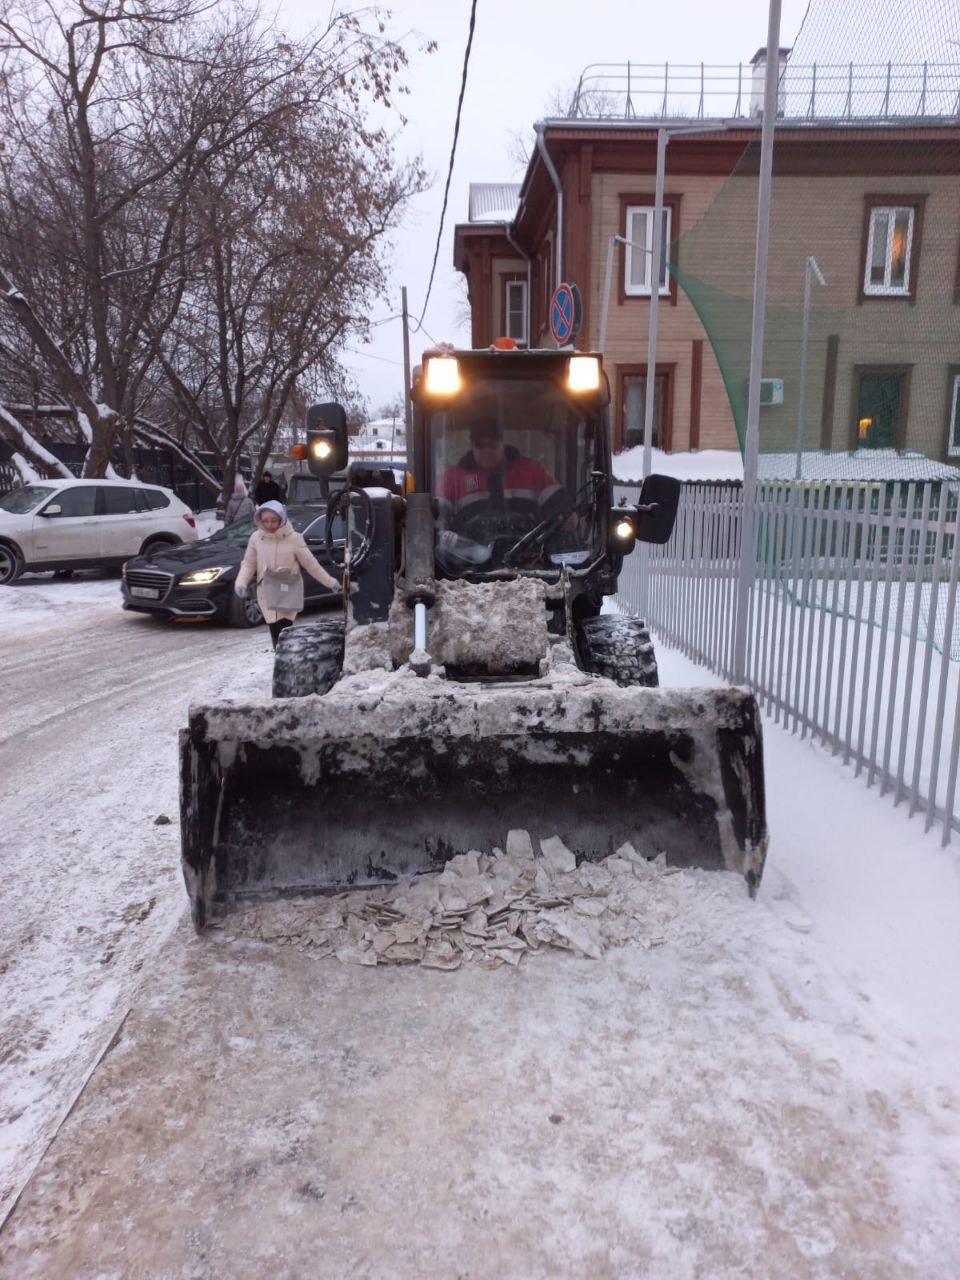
x=370 y=356
x=453 y=152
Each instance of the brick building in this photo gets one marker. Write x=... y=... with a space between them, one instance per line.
x=875 y=196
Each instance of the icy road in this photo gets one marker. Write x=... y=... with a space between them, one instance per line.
x=771 y=1091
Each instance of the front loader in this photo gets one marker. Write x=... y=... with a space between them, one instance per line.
x=473 y=683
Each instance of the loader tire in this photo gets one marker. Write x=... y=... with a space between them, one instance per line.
x=309 y=659
x=620 y=649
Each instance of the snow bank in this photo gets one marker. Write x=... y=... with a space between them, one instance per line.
x=207 y=523
x=703 y=464
x=862 y=466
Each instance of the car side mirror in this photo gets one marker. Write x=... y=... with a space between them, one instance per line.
x=54 y=509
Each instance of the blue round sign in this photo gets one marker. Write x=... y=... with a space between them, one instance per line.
x=566 y=313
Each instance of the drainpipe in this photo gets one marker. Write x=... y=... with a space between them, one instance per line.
x=529 y=261
x=555 y=178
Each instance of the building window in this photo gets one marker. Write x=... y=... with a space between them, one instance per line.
x=638 y=255
x=881 y=407
x=889 y=242
x=633 y=390
x=890 y=249
x=515 y=309
x=953 y=422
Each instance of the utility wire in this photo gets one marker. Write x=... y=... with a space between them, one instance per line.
x=453 y=152
x=368 y=355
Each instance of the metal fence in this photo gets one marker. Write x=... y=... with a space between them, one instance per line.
x=853 y=630
x=812 y=93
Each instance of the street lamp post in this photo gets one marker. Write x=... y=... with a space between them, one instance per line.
x=811 y=269
x=751 y=445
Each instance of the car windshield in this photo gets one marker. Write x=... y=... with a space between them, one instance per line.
x=241 y=530
x=27 y=499
x=306 y=488
x=513 y=474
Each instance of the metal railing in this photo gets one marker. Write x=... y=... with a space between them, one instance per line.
x=853 y=628
x=818 y=92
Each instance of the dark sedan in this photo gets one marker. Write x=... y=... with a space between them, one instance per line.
x=196 y=581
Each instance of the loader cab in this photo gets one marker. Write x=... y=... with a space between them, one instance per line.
x=516 y=458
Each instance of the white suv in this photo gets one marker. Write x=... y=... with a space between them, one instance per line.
x=87 y=524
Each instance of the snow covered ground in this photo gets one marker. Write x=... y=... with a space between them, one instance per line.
x=93 y=699
x=772 y=1091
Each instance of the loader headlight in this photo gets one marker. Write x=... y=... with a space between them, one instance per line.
x=200 y=577
x=624 y=530
x=583 y=374
x=321 y=449
x=442 y=376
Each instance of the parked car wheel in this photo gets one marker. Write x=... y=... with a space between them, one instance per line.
x=157 y=542
x=11 y=563
x=244 y=613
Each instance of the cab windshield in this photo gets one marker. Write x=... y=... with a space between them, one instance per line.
x=513 y=473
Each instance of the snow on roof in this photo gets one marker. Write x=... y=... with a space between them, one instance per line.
x=493 y=201
x=863 y=465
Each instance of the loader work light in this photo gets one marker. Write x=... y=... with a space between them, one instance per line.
x=326 y=439
x=583 y=374
x=442 y=376
x=624 y=530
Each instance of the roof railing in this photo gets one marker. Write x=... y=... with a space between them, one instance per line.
x=817 y=92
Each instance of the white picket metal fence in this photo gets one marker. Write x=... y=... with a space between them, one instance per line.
x=854 y=634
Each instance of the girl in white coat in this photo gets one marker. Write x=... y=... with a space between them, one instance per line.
x=275 y=548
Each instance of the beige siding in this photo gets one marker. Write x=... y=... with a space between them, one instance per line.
x=678 y=325
x=822 y=216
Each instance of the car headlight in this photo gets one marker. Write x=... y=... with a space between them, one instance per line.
x=200 y=577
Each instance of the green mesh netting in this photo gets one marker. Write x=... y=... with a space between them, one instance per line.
x=879 y=397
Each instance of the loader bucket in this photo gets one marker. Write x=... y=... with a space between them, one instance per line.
x=326 y=793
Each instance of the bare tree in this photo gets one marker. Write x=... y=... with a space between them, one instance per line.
x=124 y=121
x=289 y=268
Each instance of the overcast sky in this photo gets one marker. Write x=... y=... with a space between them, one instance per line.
x=523 y=54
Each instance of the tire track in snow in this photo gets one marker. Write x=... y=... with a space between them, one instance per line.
x=92 y=884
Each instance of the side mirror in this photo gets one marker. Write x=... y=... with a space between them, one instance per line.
x=657 y=508
x=651 y=519
x=326 y=438
x=54 y=509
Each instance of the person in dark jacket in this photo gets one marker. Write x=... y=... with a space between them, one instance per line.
x=267 y=490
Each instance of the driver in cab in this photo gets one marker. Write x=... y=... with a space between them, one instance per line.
x=493 y=477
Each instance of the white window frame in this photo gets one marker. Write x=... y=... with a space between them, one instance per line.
x=887 y=290
x=524 y=312
x=630 y=248
x=953 y=446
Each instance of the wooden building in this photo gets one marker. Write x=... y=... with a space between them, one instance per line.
x=877 y=202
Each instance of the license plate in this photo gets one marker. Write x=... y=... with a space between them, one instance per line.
x=145 y=593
